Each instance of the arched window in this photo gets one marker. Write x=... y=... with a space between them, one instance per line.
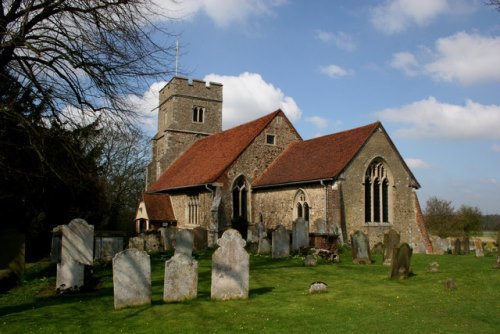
x=377 y=197
x=193 y=210
x=240 y=198
x=301 y=206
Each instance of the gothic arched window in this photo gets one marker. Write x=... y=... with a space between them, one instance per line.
x=240 y=198
x=377 y=197
x=301 y=206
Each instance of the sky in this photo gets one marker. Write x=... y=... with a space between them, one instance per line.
x=429 y=70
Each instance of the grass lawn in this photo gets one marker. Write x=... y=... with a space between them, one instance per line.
x=361 y=299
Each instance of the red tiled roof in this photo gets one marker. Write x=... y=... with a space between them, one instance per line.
x=206 y=160
x=158 y=207
x=318 y=158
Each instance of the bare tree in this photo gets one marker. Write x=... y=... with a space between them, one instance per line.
x=85 y=54
x=494 y=3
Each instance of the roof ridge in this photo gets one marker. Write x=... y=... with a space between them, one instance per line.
x=377 y=123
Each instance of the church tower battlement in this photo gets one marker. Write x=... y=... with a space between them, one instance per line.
x=188 y=111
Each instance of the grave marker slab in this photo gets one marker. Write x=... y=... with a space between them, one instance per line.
x=457 y=247
x=184 y=242
x=181 y=278
x=360 y=248
x=131 y=278
x=167 y=237
x=391 y=241
x=264 y=246
x=200 y=238
x=400 y=264
x=78 y=242
x=280 y=243
x=230 y=268
x=300 y=234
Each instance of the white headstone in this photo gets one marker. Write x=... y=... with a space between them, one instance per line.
x=181 y=278
x=131 y=278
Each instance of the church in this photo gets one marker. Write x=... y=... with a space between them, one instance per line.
x=264 y=172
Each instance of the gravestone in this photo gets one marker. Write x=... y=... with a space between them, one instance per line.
x=152 y=242
x=318 y=287
x=466 y=246
x=391 y=241
x=378 y=248
x=457 y=247
x=400 y=264
x=136 y=243
x=300 y=234
x=230 y=268
x=167 y=237
x=433 y=267
x=310 y=261
x=360 y=248
x=181 y=278
x=264 y=246
x=131 y=278
x=478 y=246
x=184 y=242
x=280 y=243
x=200 y=238
x=77 y=250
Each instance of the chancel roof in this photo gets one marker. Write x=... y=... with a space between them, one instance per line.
x=208 y=158
x=315 y=159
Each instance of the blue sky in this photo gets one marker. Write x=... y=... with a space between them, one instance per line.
x=429 y=70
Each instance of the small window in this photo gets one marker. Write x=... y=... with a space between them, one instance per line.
x=271 y=139
x=198 y=114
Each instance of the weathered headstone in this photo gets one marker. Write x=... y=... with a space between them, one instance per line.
x=184 y=242
x=466 y=246
x=310 y=261
x=181 y=278
x=433 y=267
x=230 y=268
x=300 y=234
x=77 y=250
x=167 y=237
x=478 y=247
x=264 y=246
x=131 y=278
x=378 y=248
x=391 y=241
x=457 y=247
x=152 y=242
x=440 y=246
x=400 y=264
x=280 y=243
x=360 y=248
x=450 y=284
x=136 y=243
x=200 y=238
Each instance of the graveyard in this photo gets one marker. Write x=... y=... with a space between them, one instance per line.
x=359 y=297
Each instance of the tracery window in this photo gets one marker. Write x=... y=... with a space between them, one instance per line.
x=240 y=198
x=193 y=210
x=301 y=206
x=377 y=195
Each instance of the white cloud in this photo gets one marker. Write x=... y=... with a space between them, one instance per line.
x=248 y=96
x=406 y=62
x=416 y=163
x=319 y=122
x=466 y=58
x=147 y=106
x=222 y=12
x=430 y=118
x=341 y=39
x=334 y=71
x=394 y=16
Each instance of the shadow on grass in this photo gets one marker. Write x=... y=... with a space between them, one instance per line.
x=260 y=291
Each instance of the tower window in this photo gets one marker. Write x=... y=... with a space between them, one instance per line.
x=198 y=114
x=271 y=139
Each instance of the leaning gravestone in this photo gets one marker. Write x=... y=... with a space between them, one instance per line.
x=131 y=278
x=391 y=241
x=184 y=242
x=230 y=268
x=360 y=248
x=400 y=264
x=300 y=234
x=478 y=246
x=200 y=238
x=280 y=243
x=77 y=250
x=181 y=278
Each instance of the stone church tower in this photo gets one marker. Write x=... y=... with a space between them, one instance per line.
x=187 y=112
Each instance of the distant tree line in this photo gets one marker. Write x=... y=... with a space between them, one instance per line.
x=490 y=223
x=443 y=220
